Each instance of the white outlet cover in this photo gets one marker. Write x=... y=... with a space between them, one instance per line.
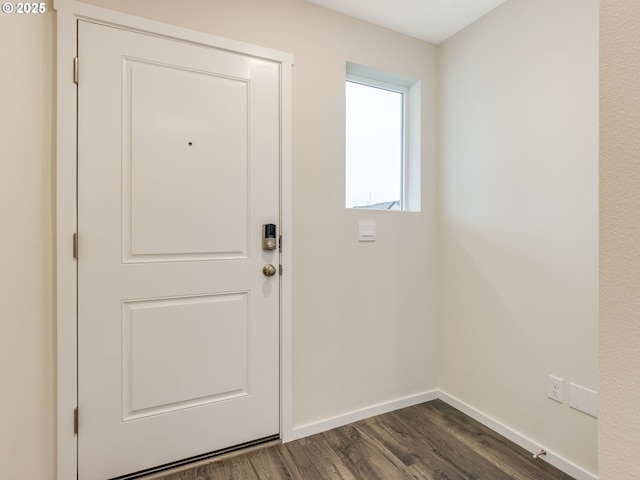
x=583 y=399
x=555 y=389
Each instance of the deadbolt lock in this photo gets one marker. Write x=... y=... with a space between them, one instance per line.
x=269 y=241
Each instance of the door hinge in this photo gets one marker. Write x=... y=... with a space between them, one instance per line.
x=75 y=245
x=75 y=420
x=75 y=70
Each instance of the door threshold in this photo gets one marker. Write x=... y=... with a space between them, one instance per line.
x=204 y=459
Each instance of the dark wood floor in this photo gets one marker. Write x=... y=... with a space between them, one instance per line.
x=431 y=441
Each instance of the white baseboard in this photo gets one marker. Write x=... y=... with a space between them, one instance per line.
x=557 y=461
x=308 y=429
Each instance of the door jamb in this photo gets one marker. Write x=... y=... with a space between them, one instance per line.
x=68 y=14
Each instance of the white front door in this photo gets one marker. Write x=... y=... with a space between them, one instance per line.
x=178 y=326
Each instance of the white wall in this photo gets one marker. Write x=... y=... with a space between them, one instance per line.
x=26 y=263
x=364 y=314
x=619 y=239
x=518 y=232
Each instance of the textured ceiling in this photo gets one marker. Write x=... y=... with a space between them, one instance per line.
x=430 y=20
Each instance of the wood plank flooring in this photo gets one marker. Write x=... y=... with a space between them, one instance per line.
x=430 y=441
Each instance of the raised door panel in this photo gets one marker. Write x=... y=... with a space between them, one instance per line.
x=184 y=352
x=185 y=147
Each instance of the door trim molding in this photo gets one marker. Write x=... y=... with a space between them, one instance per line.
x=68 y=14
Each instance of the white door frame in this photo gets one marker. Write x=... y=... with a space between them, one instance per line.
x=68 y=14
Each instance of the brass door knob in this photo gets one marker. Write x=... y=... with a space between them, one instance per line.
x=269 y=270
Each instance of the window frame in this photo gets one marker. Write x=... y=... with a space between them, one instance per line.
x=410 y=88
x=404 y=91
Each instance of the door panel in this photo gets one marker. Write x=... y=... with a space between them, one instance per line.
x=158 y=378
x=178 y=329
x=207 y=119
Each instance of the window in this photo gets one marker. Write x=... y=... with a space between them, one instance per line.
x=382 y=140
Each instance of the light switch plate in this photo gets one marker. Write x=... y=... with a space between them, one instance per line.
x=367 y=231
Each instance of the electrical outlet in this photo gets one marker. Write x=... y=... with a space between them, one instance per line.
x=555 y=388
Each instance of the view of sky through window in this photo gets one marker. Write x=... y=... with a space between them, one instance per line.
x=374 y=146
